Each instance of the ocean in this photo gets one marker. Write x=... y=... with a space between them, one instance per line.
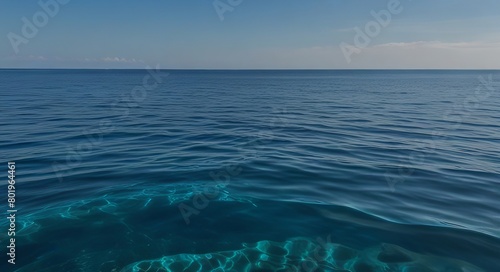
x=251 y=170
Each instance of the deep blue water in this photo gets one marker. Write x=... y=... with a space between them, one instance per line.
x=252 y=170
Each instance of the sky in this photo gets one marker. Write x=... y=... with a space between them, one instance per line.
x=250 y=34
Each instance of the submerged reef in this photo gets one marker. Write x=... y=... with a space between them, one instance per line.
x=302 y=254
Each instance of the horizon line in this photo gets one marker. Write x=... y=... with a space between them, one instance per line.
x=271 y=69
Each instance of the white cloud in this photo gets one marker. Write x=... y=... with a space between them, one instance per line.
x=26 y=58
x=399 y=55
x=430 y=55
x=120 y=60
x=441 y=45
x=21 y=61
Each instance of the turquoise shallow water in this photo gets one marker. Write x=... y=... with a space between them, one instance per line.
x=253 y=170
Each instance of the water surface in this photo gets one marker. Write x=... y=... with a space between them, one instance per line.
x=253 y=170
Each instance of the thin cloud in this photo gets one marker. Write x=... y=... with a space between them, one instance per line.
x=27 y=58
x=120 y=60
x=440 y=45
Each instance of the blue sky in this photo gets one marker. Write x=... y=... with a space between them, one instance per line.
x=290 y=34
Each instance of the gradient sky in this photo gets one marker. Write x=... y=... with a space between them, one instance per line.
x=460 y=34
